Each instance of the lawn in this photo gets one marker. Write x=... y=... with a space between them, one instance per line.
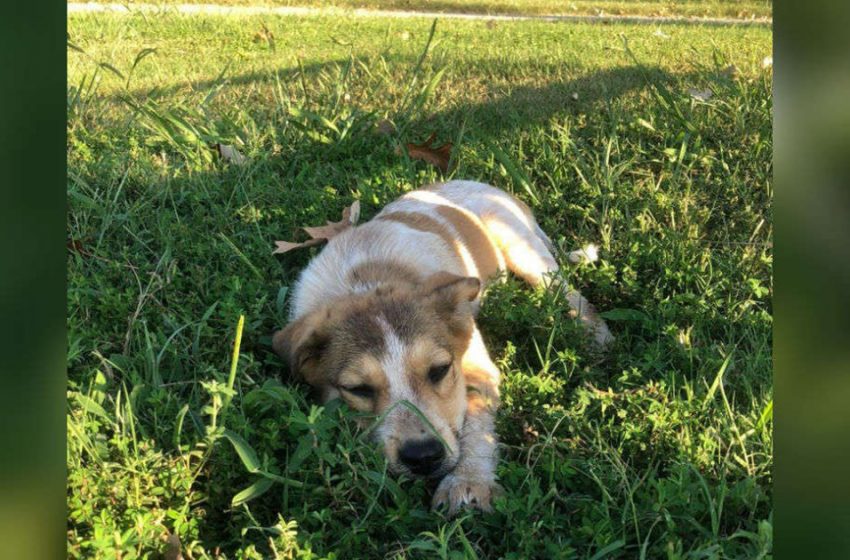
x=742 y=9
x=662 y=448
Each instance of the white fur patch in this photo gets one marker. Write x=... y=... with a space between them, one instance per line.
x=393 y=364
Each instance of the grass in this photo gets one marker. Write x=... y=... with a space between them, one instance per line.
x=661 y=449
x=742 y=9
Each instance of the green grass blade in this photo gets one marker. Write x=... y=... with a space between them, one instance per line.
x=256 y=490
x=718 y=379
x=604 y=552
x=245 y=452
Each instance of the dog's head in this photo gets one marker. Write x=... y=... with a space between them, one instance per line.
x=394 y=354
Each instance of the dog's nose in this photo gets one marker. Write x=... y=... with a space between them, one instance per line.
x=422 y=457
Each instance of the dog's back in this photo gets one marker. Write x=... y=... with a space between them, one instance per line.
x=461 y=227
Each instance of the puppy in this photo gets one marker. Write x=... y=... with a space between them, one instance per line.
x=384 y=318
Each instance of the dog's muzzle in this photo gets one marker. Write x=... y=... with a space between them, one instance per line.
x=423 y=457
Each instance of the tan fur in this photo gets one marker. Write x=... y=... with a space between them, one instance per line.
x=385 y=271
x=475 y=238
x=387 y=302
x=432 y=186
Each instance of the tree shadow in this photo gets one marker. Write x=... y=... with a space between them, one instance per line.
x=505 y=108
x=524 y=107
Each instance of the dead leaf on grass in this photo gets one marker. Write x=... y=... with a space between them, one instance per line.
x=385 y=126
x=76 y=246
x=172 y=548
x=732 y=71
x=701 y=94
x=438 y=156
x=529 y=432
x=587 y=254
x=320 y=234
x=230 y=154
x=264 y=34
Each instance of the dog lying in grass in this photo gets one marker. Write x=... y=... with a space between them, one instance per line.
x=384 y=318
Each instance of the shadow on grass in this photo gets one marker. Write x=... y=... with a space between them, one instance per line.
x=509 y=108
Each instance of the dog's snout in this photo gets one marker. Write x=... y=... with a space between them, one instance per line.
x=422 y=457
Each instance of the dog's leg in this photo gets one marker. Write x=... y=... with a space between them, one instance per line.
x=528 y=254
x=473 y=481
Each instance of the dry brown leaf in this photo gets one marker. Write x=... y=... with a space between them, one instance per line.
x=231 y=154
x=264 y=34
x=172 y=548
x=732 y=71
x=76 y=246
x=286 y=246
x=349 y=217
x=439 y=157
x=320 y=234
x=529 y=432
x=386 y=127
x=701 y=94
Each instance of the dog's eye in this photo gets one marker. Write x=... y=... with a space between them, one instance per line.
x=361 y=391
x=437 y=373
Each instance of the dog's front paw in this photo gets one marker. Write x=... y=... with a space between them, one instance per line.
x=458 y=491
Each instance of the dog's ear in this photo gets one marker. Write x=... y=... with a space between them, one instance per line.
x=454 y=298
x=302 y=343
x=452 y=290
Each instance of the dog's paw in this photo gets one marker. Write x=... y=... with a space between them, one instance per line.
x=457 y=491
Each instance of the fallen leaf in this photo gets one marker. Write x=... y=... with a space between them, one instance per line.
x=731 y=71
x=439 y=157
x=172 y=548
x=286 y=246
x=701 y=94
x=76 y=246
x=230 y=154
x=264 y=34
x=587 y=254
x=385 y=126
x=320 y=234
x=529 y=432
x=349 y=217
